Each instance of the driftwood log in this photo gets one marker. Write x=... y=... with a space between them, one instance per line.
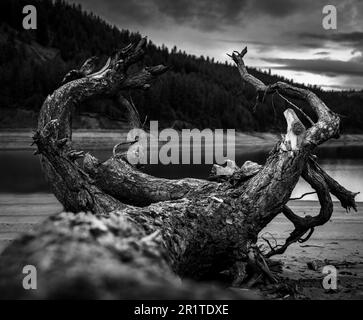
x=126 y=234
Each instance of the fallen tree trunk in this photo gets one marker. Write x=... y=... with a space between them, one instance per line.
x=141 y=233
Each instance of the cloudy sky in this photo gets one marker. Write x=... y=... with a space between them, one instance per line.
x=284 y=35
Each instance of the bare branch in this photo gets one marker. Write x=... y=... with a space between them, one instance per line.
x=297 y=108
x=328 y=122
x=308 y=223
x=346 y=197
x=143 y=78
x=86 y=69
x=303 y=195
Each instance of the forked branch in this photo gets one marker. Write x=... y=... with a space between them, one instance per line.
x=328 y=122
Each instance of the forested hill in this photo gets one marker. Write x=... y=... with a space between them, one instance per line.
x=196 y=92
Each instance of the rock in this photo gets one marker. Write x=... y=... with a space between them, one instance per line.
x=248 y=170
x=227 y=170
x=315 y=265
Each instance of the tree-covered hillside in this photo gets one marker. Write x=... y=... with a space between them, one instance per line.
x=197 y=91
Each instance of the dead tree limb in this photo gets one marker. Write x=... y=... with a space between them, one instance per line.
x=142 y=232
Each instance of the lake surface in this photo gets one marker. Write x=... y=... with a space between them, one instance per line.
x=20 y=171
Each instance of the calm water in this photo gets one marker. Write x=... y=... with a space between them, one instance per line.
x=20 y=171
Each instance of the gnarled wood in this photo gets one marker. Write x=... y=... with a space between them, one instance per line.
x=145 y=232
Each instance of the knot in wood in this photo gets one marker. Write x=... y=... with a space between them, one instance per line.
x=298 y=128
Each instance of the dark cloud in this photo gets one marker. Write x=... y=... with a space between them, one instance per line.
x=216 y=14
x=121 y=12
x=326 y=67
x=204 y=14
x=322 y=53
x=245 y=42
x=278 y=8
x=279 y=43
x=353 y=38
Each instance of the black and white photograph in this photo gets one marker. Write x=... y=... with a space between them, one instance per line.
x=157 y=150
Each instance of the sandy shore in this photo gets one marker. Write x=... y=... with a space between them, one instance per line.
x=339 y=243
x=106 y=139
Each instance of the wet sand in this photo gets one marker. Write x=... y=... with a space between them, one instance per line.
x=20 y=213
x=338 y=243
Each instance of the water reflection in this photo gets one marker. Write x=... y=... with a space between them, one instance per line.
x=20 y=171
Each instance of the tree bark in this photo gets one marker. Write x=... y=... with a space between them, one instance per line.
x=141 y=233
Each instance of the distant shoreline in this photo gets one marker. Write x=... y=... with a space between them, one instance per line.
x=99 y=139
